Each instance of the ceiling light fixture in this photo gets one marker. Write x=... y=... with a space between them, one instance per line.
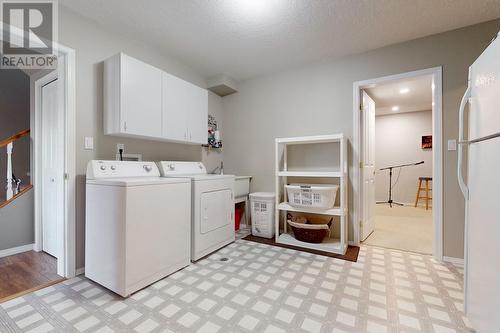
x=253 y=8
x=395 y=108
x=404 y=90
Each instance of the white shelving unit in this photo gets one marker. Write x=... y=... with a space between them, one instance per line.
x=332 y=165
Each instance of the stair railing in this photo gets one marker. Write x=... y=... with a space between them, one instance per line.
x=9 y=143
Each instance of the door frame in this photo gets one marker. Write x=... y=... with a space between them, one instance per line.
x=437 y=151
x=66 y=74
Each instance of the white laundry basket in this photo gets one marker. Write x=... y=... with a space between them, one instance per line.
x=312 y=195
x=262 y=213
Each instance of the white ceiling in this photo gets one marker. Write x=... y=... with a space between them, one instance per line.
x=418 y=97
x=246 y=38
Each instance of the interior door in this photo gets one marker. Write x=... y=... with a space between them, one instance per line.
x=141 y=98
x=367 y=165
x=52 y=178
x=174 y=104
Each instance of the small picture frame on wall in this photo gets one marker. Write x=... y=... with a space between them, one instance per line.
x=426 y=142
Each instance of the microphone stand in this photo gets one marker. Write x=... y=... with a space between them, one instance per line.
x=390 y=201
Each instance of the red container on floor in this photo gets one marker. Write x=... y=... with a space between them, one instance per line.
x=237 y=218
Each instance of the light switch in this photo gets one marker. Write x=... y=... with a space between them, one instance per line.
x=452 y=145
x=89 y=143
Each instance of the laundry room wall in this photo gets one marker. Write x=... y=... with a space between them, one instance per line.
x=317 y=99
x=93 y=44
x=397 y=141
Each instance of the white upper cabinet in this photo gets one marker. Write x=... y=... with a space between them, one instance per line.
x=132 y=95
x=198 y=114
x=143 y=101
x=174 y=122
x=185 y=111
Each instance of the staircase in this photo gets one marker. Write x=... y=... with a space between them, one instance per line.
x=14 y=188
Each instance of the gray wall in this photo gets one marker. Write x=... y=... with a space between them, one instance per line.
x=16 y=222
x=93 y=45
x=16 y=219
x=397 y=141
x=14 y=117
x=318 y=99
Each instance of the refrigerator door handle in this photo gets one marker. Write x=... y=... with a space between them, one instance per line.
x=483 y=138
x=461 y=144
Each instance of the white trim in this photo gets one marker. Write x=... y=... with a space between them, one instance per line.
x=16 y=250
x=437 y=137
x=458 y=262
x=80 y=271
x=67 y=262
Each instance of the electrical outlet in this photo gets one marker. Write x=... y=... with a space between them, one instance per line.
x=89 y=143
x=120 y=146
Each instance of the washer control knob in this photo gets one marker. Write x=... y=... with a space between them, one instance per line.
x=103 y=167
x=113 y=167
x=148 y=168
x=171 y=166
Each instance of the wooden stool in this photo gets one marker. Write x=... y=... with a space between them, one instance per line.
x=426 y=188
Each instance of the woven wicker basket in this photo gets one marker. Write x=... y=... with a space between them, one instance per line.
x=308 y=232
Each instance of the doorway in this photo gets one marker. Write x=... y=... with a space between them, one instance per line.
x=397 y=146
x=30 y=262
x=52 y=152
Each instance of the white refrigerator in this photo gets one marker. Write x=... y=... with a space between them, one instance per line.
x=481 y=188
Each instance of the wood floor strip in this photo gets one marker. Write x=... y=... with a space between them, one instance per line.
x=351 y=254
x=22 y=293
x=25 y=272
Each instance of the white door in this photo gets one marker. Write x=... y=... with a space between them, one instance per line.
x=175 y=111
x=367 y=166
x=198 y=115
x=52 y=152
x=141 y=98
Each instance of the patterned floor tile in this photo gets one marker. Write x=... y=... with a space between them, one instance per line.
x=260 y=288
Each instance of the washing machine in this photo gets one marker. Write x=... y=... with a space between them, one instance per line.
x=138 y=225
x=212 y=206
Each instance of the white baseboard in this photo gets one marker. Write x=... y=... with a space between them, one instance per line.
x=455 y=261
x=80 y=271
x=16 y=250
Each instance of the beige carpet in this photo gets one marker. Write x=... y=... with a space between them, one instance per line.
x=404 y=228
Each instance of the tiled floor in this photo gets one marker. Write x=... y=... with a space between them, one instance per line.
x=260 y=289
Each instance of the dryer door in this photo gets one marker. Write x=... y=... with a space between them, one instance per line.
x=215 y=210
